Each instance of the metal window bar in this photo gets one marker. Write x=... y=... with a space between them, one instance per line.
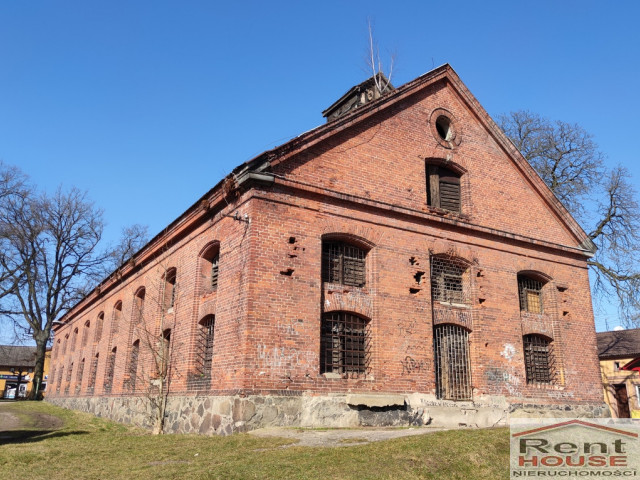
x=530 y=292
x=453 y=370
x=92 y=374
x=214 y=272
x=108 y=377
x=538 y=359
x=343 y=263
x=449 y=281
x=133 y=365
x=344 y=343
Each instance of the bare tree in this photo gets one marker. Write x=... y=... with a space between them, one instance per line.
x=603 y=200
x=51 y=258
x=152 y=327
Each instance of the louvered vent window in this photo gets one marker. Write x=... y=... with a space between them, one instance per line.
x=453 y=371
x=344 y=344
x=530 y=292
x=343 y=263
x=538 y=359
x=443 y=188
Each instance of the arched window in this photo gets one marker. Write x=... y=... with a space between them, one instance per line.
x=79 y=375
x=116 y=317
x=65 y=344
x=538 y=359
x=85 y=333
x=165 y=357
x=138 y=306
x=344 y=343
x=93 y=373
x=109 y=371
x=133 y=364
x=450 y=280
x=443 y=188
x=209 y=267
x=60 y=377
x=99 y=327
x=453 y=371
x=74 y=339
x=343 y=263
x=205 y=345
x=68 y=382
x=530 y=293
x=170 y=288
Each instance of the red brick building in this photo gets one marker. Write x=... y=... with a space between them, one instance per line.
x=400 y=264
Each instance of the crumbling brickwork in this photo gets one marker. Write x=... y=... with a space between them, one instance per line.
x=427 y=228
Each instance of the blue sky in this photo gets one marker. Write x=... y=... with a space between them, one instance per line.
x=147 y=104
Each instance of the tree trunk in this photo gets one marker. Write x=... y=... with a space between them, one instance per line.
x=38 y=372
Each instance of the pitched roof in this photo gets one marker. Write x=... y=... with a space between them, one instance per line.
x=16 y=356
x=619 y=344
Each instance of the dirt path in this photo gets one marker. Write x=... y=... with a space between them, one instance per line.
x=340 y=437
x=10 y=421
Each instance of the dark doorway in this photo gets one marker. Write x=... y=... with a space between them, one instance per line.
x=622 y=400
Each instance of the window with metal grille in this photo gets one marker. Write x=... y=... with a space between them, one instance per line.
x=92 y=373
x=209 y=267
x=116 y=316
x=443 y=188
x=79 y=375
x=170 y=288
x=138 y=306
x=530 y=292
x=344 y=344
x=133 y=364
x=449 y=280
x=99 y=327
x=453 y=371
x=110 y=370
x=74 y=339
x=85 y=333
x=343 y=263
x=205 y=345
x=538 y=359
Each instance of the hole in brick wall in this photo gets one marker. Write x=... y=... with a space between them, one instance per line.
x=481 y=300
x=565 y=313
x=418 y=277
x=292 y=239
x=288 y=272
x=479 y=274
x=414 y=290
x=413 y=261
x=291 y=255
x=444 y=129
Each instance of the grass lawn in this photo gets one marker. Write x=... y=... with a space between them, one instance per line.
x=85 y=447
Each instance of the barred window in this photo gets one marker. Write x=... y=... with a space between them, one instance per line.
x=85 y=333
x=453 y=371
x=109 y=371
x=343 y=263
x=133 y=364
x=344 y=344
x=209 y=270
x=538 y=359
x=449 y=280
x=92 y=374
x=443 y=188
x=205 y=345
x=530 y=292
x=99 y=327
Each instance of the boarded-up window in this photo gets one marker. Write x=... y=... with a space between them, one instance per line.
x=344 y=344
x=343 y=263
x=538 y=359
x=453 y=372
x=530 y=291
x=449 y=280
x=443 y=188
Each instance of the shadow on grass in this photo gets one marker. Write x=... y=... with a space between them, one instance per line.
x=31 y=436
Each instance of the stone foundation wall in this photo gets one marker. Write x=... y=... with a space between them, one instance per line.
x=224 y=415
